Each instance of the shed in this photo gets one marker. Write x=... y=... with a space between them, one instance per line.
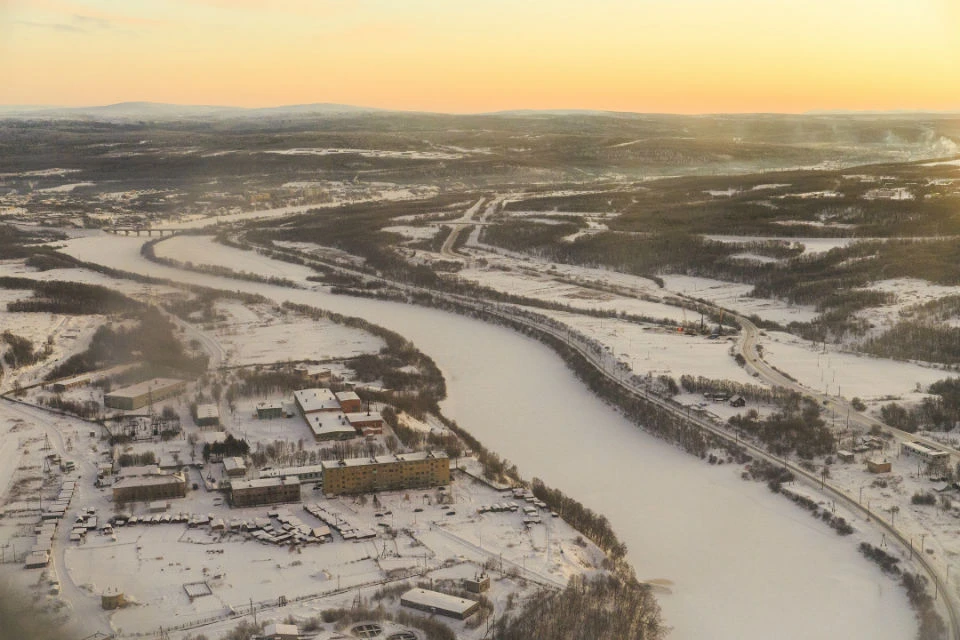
x=844 y=455
x=877 y=466
x=477 y=584
x=738 y=401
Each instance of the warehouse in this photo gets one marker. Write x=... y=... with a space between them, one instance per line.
x=250 y=493
x=329 y=425
x=269 y=410
x=148 y=483
x=400 y=471
x=143 y=394
x=439 y=603
x=208 y=415
x=314 y=400
x=234 y=467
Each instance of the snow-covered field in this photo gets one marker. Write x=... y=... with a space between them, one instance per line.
x=261 y=335
x=909 y=292
x=414 y=233
x=810 y=245
x=656 y=351
x=721 y=541
x=736 y=296
x=65 y=188
x=544 y=287
x=855 y=375
x=369 y=153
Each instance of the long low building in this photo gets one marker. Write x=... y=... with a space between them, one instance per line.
x=439 y=603
x=384 y=473
x=140 y=395
x=306 y=473
x=924 y=452
x=251 y=493
x=148 y=483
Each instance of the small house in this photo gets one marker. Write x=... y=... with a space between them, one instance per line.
x=877 y=466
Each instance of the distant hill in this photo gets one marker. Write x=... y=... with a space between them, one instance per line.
x=164 y=111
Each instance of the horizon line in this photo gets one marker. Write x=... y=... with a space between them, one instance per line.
x=572 y=110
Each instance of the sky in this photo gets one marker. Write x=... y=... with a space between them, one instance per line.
x=676 y=56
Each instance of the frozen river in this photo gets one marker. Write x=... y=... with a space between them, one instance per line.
x=745 y=564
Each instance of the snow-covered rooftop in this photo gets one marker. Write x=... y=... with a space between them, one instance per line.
x=329 y=424
x=310 y=400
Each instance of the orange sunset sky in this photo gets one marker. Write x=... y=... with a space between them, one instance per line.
x=683 y=56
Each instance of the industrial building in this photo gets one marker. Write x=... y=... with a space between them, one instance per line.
x=148 y=483
x=313 y=372
x=269 y=410
x=250 y=493
x=382 y=473
x=306 y=473
x=234 y=467
x=143 y=394
x=314 y=400
x=330 y=425
x=208 y=415
x=439 y=603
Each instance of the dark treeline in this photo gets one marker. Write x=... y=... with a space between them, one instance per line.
x=71 y=298
x=593 y=525
x=605 y=606
x=938 y=412
x=21 y=352
x=918 y=340
x=230 y=446
x=752 y=392
x=796 y=428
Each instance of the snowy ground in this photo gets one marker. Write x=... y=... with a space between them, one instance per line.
x=238 y=569
x=736 y=296
x=652 y=350
x=543 y=286
x=261 y=334
x=854 y=375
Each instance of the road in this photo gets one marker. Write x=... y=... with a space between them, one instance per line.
x=86 y=616
x=749 y=349
x=466 y=221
